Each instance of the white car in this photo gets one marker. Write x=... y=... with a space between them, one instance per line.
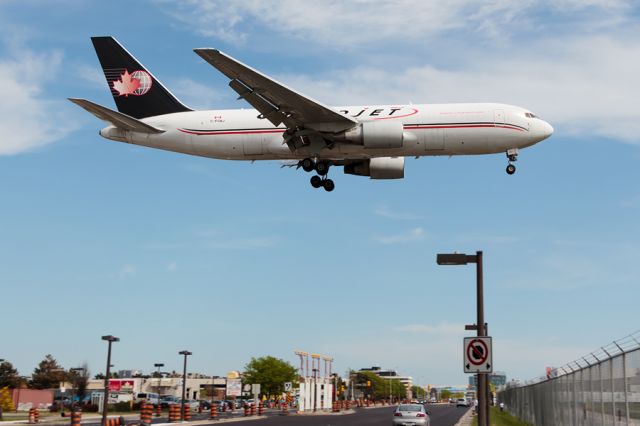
x=461 y=402
x=411 y=414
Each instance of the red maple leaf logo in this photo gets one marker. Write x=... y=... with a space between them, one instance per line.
x=126 y=85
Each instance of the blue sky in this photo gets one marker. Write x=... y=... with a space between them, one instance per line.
x=232 y=260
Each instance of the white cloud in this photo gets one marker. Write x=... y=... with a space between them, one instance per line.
x=358 y=24
x=27 y=119
x=435 y=352
x=93 y=75
x=416 y=234
x=577 y=70
x=581 y=85
x=526 y=360
x=198 y=95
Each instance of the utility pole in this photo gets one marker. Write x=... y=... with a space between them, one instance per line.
x=480 y=326
x=158 y=365
x=184 y=383
x=105 y=401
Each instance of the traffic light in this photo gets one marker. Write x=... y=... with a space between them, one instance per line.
x=368 y=383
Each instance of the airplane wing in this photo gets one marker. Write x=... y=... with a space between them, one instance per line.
x=118 y=119
x=275 y=101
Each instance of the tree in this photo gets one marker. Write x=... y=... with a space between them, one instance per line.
x=271 y=373
x=80 y=379
x=379 y=387
x=6 y=403
x=418 y=392
x=48 y=374
x=9 y=376
x=445 y=394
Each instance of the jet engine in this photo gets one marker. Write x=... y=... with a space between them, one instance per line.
x=380 y=134
x=378 y=168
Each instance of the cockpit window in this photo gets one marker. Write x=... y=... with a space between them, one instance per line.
x=530 y=115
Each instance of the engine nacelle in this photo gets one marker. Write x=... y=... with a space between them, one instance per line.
x=378 y=168
x=380 y=134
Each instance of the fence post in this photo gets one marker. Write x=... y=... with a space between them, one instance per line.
x=624 y=380
x=601 y=393
x=624 y=373
x=613 y=391
x=575 y=402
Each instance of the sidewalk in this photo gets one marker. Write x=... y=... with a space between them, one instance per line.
x=465 y=420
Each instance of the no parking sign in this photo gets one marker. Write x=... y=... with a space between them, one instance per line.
x=478 y=356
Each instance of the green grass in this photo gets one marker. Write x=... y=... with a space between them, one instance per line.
x=501 y=418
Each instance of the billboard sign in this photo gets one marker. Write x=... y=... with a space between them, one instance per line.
x=116 y=385
x=234 y=387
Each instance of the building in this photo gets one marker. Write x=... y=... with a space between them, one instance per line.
x=194 y=388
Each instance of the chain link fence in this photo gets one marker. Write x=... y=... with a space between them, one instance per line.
x=602 y=388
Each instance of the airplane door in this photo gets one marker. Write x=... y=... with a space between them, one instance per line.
x=498 y=116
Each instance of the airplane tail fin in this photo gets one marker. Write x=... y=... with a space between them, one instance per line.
x=136 y=91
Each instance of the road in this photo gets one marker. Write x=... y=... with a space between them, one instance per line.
x=441 y=415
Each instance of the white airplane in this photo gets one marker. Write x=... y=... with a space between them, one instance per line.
x=370 y=140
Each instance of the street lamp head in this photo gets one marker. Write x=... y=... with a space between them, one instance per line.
x=185 y=353
x=111 y=338
x=455 y=259
x=158 y=365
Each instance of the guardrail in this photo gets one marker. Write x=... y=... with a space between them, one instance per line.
x=601 y=388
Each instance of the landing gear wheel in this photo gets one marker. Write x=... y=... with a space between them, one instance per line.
x=316 y=181
x=328 y=185
x=511 y=169
x=322 y=168
x=307 y=165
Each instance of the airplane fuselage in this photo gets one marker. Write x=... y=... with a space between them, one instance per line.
x=432 y=129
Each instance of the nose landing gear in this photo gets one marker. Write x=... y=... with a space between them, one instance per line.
x=512 y=156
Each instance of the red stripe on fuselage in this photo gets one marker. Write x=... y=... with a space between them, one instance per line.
x=466 y=126
x=421 y=127
x=233 y=132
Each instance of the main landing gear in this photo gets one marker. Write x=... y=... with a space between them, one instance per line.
x=512 y=156
x=322 y=168
x=327 y=184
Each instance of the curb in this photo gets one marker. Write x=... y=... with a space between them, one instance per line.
x=465 y=420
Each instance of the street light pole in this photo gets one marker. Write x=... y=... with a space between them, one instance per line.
x=105 y=400
x=463 y=259
x=184 y=383
x=158 y=366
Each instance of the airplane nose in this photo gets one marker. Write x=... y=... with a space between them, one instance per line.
x=547 y=130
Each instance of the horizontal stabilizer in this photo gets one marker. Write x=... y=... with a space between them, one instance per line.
x=118 y=119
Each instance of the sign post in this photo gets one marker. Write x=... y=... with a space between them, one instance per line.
x=255 y=390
